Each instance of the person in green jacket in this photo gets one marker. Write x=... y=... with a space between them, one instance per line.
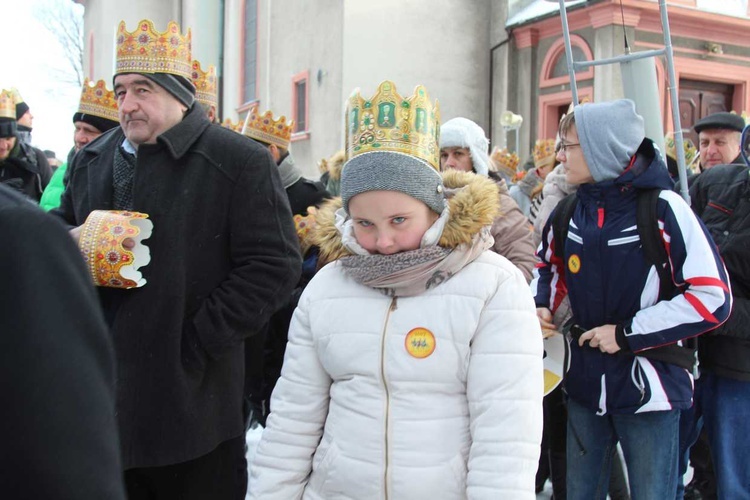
x=96 y=114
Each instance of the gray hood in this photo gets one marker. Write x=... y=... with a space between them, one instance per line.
x=609 y=133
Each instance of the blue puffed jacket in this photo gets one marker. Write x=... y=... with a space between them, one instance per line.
x=609 y=282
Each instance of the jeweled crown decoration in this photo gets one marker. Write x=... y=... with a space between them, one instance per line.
x=17 y=99
x=147 y=50
x=228 y=123
x=505 y=160
x=544 y=152
x=206 y=88
x=98 y=100
x=390 y=122
x=7 y=105
x=691 y=152
x=265 y=129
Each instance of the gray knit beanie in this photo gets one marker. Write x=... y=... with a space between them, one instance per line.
x=391 y=171
x=182 y=89
x=464 y=133
x=610 y=134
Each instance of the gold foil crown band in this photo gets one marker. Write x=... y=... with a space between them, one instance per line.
x=390 y=122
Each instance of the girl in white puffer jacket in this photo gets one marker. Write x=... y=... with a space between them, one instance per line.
x=414 y=363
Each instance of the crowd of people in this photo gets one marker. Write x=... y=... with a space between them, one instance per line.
x=386 y=324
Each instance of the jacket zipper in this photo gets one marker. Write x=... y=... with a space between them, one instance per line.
x=391 y=308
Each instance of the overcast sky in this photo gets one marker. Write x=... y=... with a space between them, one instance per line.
x=33 y=62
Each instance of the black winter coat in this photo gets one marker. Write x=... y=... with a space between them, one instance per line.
x=224 y=257
x=721 y=198
x=58 y=434
x=26 y=170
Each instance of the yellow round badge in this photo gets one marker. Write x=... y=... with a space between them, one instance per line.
x=574 y=263
x=420 y=342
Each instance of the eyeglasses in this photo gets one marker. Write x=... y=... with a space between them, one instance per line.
x=563 y=146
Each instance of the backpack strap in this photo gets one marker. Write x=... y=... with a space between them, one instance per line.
x=647 y=220
x=561 y=223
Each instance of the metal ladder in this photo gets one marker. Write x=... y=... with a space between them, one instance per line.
x=574 y=66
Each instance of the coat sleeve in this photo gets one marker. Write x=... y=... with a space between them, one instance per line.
x=548 y=286
x=266 y=261
x=504 y=392
x=697 y=269
x=283 y=459
x=513 y=239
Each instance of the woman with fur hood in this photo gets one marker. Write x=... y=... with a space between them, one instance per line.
x=414 y=364
x=463 y=147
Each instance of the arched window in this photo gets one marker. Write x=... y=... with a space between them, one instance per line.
x=555 y=65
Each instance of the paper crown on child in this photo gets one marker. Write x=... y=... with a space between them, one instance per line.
x=389 y=122
x=392 y=144
x=265 y=129
x=206 y=85
x=7 y=105
x=98 y=100
x=691 y=152
x=544 y=153
x=147 y=50
x=110 y=264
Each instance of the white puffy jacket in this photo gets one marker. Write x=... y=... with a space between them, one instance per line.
x=356 y=416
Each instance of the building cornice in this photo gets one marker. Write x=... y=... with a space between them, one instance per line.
x=684 y=21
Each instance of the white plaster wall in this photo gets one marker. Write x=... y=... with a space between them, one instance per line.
x=441 y=44
x=101 y=18
x=232 y=59
x=296 y=36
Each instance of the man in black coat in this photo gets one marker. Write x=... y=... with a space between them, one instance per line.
x=721 y=198
x=224 y=255
x=57 y=377
x=22 y=167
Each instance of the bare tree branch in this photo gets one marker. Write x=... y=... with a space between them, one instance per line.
x=64 y=21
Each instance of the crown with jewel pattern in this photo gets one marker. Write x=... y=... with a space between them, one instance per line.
x=7 y=105
x=147 y=50
x=228 y=123
x=505 y=161
x=206 y=91
x=691 y=152
x=389 y=122
x=544 y=152
x=98 y=100
x=265 y=129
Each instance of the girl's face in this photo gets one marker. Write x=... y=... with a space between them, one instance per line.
x=388 y=222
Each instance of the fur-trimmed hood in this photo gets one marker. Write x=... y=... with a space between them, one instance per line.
x=472 y=201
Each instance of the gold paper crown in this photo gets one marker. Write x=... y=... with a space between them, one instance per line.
x=98 y=100
x=265 y=129
x=146 y=50
x=691 y=152
x=505 y=160
x=7 y=105
x=544 y=152
x=17 y=99
x=227 y=123
x=206 y=91
x=388 y=122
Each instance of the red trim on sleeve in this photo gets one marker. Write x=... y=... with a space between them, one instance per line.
x=708 y=281
x=698 y=306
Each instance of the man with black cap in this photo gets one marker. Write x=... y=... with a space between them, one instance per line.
x=22 y=167
x=719 y=139
x=24 y=118
x=97 y=113
x=223 y=256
